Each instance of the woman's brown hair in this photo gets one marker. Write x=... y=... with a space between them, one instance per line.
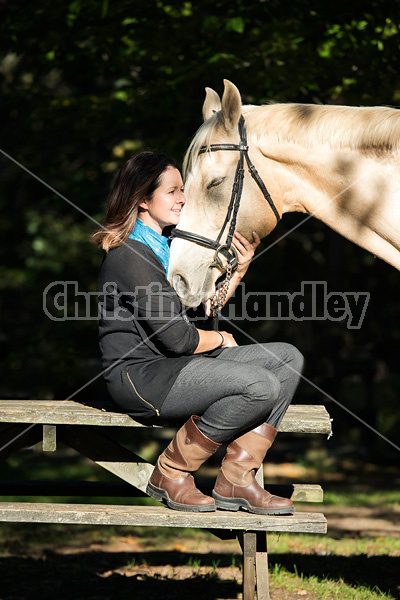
x=135 y=182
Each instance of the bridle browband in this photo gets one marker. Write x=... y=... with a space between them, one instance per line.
x=227 y=250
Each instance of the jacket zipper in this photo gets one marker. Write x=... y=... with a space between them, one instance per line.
x=145 y=401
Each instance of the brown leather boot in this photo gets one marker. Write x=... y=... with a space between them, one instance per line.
x=236 y=485
x=171 y=480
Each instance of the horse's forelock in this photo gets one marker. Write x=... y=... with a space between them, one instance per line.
x=201 y=138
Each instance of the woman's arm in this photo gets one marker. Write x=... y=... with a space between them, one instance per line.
x=148 y=298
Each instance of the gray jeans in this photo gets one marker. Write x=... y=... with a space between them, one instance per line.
x=241 y=388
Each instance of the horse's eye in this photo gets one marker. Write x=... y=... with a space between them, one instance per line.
x=215 y=182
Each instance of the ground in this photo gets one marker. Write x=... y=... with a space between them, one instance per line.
x=361 y=552
x=359 y=558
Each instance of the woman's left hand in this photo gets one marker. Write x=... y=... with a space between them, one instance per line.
x=245 y=250
x=245 y=253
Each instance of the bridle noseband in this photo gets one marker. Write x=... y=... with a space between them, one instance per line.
x=226 y=249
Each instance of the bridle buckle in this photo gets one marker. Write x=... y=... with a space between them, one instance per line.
x=230 y=253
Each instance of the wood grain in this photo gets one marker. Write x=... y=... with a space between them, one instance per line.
x=49 y=438
x=159 y=516
x=298 y=418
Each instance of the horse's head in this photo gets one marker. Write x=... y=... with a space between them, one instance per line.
x=209 y=178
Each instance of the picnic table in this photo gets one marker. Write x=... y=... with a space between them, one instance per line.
x=81 y=426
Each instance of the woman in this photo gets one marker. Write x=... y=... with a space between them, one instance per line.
x=158 y=365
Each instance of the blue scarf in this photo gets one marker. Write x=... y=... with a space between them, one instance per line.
x=156 y=242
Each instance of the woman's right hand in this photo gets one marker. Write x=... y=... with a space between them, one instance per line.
x=229 y=340
x=211 y=340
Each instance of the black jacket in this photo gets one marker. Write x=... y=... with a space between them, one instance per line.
x=145 y=338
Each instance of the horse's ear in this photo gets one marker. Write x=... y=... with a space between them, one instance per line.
x=212 y=104
x=231 y=105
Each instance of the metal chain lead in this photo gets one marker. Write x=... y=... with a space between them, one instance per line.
x=220 y=295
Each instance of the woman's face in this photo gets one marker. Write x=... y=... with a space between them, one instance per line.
x=166 y=204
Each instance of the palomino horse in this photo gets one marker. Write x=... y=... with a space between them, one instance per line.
x=340 y=164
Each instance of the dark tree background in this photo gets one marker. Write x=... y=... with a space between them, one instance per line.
x=85 y=84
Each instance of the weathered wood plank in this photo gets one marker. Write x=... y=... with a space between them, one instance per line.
x=262 y=578
x=108 y=454
x=298 y=492
x=61 y=412
x=49 y=438
x=299 y=418
x=249 y=545
x=306 y=419
x=160 y=516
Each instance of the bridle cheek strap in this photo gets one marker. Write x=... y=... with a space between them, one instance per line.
x=227 y=249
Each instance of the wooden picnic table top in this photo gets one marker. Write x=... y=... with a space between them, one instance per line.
x=160 y=516
x=298 y=418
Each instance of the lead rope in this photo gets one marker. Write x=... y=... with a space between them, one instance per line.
x=219 y=297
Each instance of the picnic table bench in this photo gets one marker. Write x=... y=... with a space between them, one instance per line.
x=27 y=422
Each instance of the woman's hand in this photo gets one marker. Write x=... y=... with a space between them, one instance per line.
x=207 y=307
x=245 y=250
x=211 y=340
x=229 y=340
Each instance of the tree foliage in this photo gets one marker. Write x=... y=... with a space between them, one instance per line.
x=86 y=84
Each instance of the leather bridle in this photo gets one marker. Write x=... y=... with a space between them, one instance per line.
x=227 y=249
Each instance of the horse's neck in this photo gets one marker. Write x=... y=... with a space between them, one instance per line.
x=355 y=194
x=306 y=178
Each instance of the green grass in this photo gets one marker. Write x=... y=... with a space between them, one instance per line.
x=327 y=546
x=376 y=497
x=315 y=587
x=346 y=569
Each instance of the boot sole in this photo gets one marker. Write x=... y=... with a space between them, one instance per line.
x=234 y=504
x=162 y=496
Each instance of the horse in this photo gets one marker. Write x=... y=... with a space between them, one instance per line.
x=340 y=164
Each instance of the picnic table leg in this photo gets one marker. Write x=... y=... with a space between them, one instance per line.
x=255 y=564
x=262 y=577
x=49 y=438
x=247 y=540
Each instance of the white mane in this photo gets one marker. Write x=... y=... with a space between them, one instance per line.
x=366 y=129
x=202 y=137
